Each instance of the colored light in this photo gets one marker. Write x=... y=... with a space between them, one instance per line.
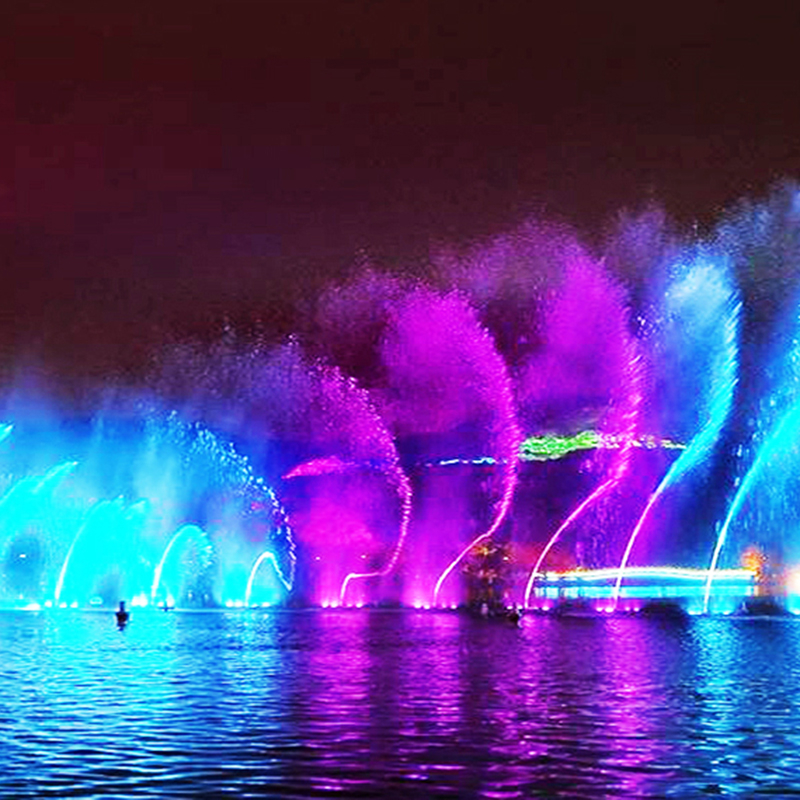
x=703 y=290
x=665 y=573
x=552 y=447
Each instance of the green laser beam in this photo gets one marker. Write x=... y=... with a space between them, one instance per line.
x=551 y=447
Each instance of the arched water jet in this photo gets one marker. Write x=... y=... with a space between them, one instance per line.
x=618 y=471
x=712 y=312
x=334 y=465
x=270 y=556
x=113 y=532
x=95 y=512
x=192 y=533
x=29 y=488
x=286 y=576
x=781 y=437
x=405 y=492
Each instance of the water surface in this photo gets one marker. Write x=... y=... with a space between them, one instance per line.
x=396 y=704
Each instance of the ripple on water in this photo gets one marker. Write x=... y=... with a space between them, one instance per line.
x=395 y=704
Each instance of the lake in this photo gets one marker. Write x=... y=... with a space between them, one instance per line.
x=406 y=704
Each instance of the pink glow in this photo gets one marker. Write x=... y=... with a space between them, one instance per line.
x=580 y=367
x=505 y=503
x=320 y=466
x=619 y=469
x=443 y=371
x=405 y=493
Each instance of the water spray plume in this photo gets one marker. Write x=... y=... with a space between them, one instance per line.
x=267 y=555
x=702 y=298
x=617 y=473
x=509 y=441
x=765 y=239
x=589 y=364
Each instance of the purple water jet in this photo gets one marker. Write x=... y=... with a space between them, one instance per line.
x=439 y=383
x=564 y=328
x=302 y=406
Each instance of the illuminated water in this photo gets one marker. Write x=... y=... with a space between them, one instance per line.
x=396 y=704
x=518 y=414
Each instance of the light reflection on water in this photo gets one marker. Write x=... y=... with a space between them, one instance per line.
x=396 y=704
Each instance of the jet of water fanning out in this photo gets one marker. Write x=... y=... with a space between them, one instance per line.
x=705 y=307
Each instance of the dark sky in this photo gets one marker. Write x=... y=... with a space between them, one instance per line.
x=167 y=166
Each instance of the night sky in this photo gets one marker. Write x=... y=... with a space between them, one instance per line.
x=169 y=167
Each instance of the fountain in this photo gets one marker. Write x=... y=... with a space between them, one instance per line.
x=436 y=377
x=698 y=364
x=518 y=430
x=766 y=240
x=115 y=521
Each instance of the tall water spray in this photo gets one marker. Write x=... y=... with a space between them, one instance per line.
x=327 y=441
x=437 y=380
x=111 y=523
x=589 y=367
x=779 y=447
x=696 y=359
x=764 y=240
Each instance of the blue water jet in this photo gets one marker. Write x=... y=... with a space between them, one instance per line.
x=188 y=557
x=765 y=240
x=782 y=440
x=699 y=340
x=150 y=510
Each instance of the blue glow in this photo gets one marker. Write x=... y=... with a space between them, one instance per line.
x=683 y=585
x=784 y=437
x=154 y=512
x=267 y=555
x=702 y=309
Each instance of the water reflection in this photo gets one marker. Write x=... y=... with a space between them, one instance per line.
x=405 y=704
x=744 y=692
